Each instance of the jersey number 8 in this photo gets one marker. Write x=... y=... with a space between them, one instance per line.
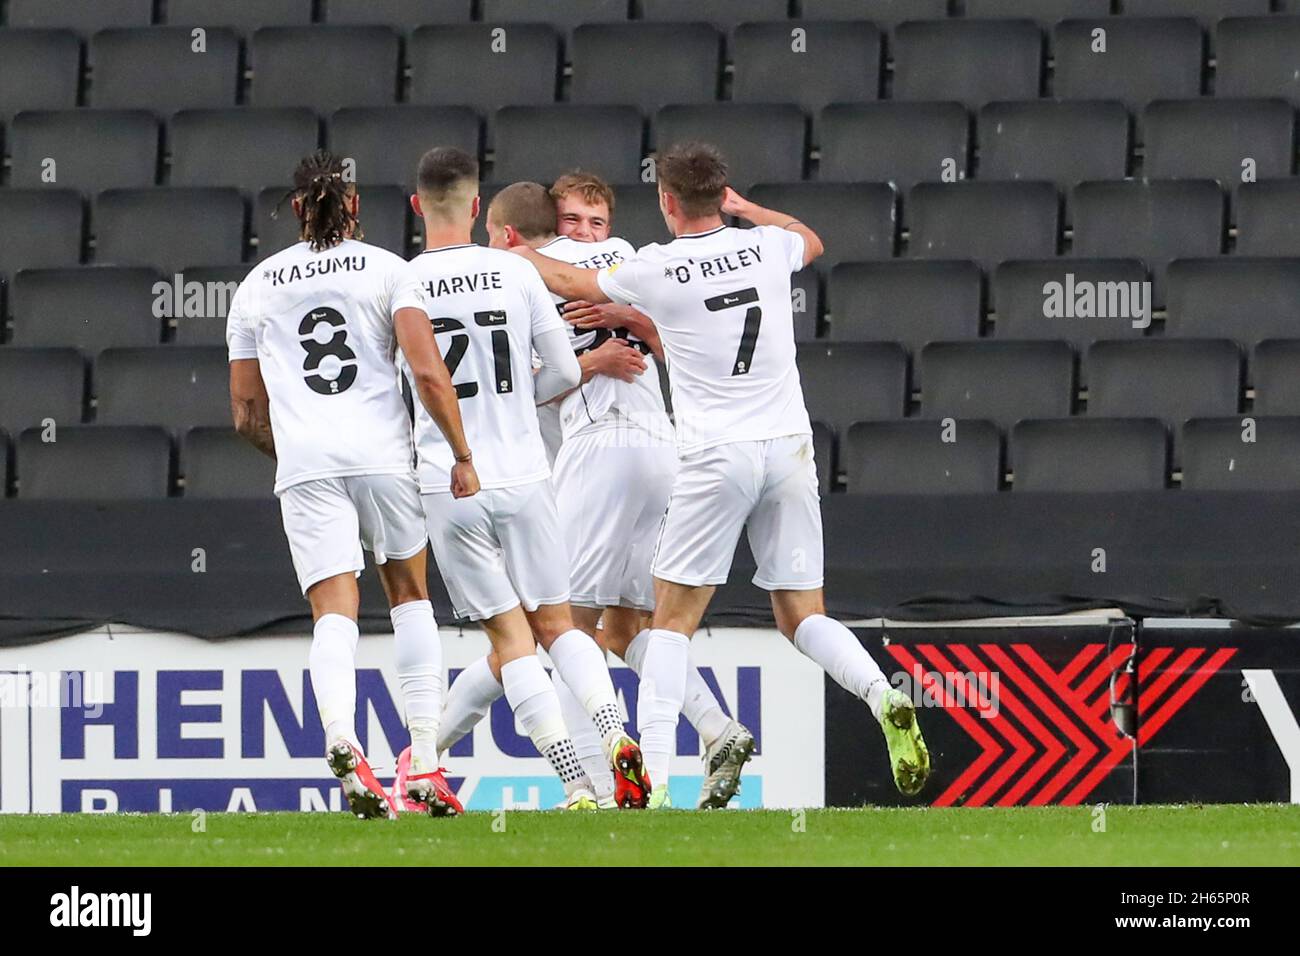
x=332 y=353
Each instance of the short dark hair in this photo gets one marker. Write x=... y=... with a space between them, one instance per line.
x=442 y=169
x=526 y=206
x=590 y=187
x=696 y=174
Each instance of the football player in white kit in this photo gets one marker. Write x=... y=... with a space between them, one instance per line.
x=615 y=466
x=313 y=333
x=721 y=300
x=502 y=554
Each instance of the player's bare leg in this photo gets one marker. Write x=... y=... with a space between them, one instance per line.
x=581 y=664
x=801 y=618
x=419 y=672
x=728 y=744
x=332 y=661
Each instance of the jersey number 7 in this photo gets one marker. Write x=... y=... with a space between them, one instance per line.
x=753 y=318
x=459 y=345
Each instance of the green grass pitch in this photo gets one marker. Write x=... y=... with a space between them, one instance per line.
x=1266 y=835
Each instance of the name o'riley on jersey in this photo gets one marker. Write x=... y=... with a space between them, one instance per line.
x=717 y=266
x=459 y=285
x=314 y=268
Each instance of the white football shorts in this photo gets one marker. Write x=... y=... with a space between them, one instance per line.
x=499 y=548
x=329 y=520
x=770 y=487
x=612 y=487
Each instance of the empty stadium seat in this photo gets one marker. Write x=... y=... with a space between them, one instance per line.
x=1239 y=298
x=195 y=383
x=972 y=61
x=1053 y=141
x=79 y=15
x=1268 y=218
x=6 y=462
x=90 y=149
x=845 y=383
x=1145 y=59
x=1155 y=221
x=1207 y=12
x=726 y=15
x=239 y=14
x=1090 y=454
x=824 y=457
x=899 y=143
x=248 y=149
x=1045 y=13
x=1169 y=379
x=920 y=457
x=386 y=143
x=90 y=461
x=38 y=384
x=479 y=66
x=90 y=308
x=324 y=67
x=832 y=63
x=564 y=17
x=218 y=284
x=1231 y=454
x=384 y=219
x=760 y=143
x=886 y=14
x=806 y=304
x=218 y=463
x=537 y=142
x=39 y=70
x=910 y=302
x=42 y=229
x=1220 y=139
x=636 y=215
x=999 y=381
x=168 y=228
x=987 y=222
x=402 y=15
x=1075 y=300
x=1259 y=56
x=1275 y=373
x=128 y=65
x=613 y=61
x=855 y=221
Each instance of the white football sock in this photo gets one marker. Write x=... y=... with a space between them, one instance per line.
x=533 y=700
x=586 y=740
x=663 y=688
x=419 y=671
x=581 y=662
x=839 y=653
x=332 y=661
x=701 y=707
x=469 y=698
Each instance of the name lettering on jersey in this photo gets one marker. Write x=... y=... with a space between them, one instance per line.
x=458 y=285
x=604 y=260
x=717 y=266
x=314 y=269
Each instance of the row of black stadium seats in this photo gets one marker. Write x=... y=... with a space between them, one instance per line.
x=724 y=14
x=1002 y=381
x=974 y=62
x=904 y=144
x=902 y=458
x=936 y=457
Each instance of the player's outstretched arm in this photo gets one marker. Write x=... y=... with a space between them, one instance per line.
x=734 y=204
x=612 y=315
x=566 y=281
x=250 y=405
x=438 y=396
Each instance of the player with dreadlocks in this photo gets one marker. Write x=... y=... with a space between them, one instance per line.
x=313 y=334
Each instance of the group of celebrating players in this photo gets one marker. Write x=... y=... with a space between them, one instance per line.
x=564 y=508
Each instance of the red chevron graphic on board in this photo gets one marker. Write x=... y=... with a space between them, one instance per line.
x=1049 y=737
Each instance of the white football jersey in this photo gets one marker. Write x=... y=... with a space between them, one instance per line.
x=641 y=401
x=320 y=325
x=721 y=302
x=487 y=306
